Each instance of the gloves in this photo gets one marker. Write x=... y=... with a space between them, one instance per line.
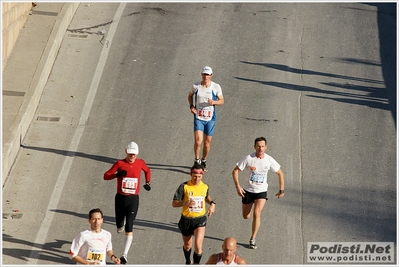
x=121 y=173
x=147 y=186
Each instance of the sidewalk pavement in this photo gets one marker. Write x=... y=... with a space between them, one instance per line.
x=27 y=70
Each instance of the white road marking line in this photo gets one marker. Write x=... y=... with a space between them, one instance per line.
x=289 y=175
x=291 y=234
x=57 y=191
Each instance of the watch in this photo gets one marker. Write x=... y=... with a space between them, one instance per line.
x=281 y=191
x=212 y=202
x=192 y=106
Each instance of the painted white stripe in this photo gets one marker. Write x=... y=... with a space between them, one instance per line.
x=291 y=233
x=288 y=114
x=57 y=191
x=288 y=171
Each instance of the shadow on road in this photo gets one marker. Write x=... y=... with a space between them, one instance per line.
x=381 y=96
x=152 y=166
x=370 y=216
x=50 y=252
x=110 y=220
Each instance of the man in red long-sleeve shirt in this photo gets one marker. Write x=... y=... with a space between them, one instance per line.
x=128 y=171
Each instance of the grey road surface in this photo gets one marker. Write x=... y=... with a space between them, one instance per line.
x=318 y=80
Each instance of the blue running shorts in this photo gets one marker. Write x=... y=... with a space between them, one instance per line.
x=207 y=127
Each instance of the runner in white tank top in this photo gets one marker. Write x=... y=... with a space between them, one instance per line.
x=228 y=256
x=220 y=260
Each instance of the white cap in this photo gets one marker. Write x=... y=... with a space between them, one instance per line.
x=132 y=148
x=207 y=70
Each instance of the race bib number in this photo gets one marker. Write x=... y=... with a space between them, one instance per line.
x=257 y=177
x=96 y=255
x=129 y=185
x=198 y=204
x=205 y=114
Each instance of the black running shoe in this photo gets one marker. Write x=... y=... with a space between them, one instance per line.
x=123 y=260
x=203 y=164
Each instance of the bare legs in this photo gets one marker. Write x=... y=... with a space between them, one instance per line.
x=199 y=235
x=199 y=136
x=246 y=214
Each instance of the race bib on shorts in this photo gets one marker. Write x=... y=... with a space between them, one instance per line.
x=129 y=185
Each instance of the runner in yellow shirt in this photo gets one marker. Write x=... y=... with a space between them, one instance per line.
x=192 y=196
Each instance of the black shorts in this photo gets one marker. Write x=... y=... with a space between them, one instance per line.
x=188 y=225
x=250 y=197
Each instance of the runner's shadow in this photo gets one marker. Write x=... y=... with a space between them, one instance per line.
x=110 y=220
x=153 y=166
x=71 y=153
x=49 y=252
x=173 y=168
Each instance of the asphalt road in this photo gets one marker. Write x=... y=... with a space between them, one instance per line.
x=318 y=80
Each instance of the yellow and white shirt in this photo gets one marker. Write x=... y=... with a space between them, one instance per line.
x=198 y=193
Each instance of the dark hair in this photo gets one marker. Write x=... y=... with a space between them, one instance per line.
x=260 y=139
x=196 y=166
x=94 y=211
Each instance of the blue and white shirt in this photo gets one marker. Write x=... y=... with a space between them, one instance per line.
x=205 y=112
x=257 y=169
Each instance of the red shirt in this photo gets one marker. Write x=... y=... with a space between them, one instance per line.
x=129 y=184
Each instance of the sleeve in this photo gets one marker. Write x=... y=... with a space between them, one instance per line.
x=77 y=243
x=147 y=172
x=179 y=194
x=274 y=165
x=192 y=89
x=110 y=174
x=218 y=90
x=109 y=244
x=242 y=163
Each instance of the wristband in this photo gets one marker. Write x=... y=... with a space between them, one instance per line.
x=281 y=191
x=212 y=202
x=112 y=257
x=192 y=106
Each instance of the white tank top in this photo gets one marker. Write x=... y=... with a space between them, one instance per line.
x=220 y=260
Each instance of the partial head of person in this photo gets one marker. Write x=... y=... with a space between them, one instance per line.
x=206 y=71
x=96 y=219
x=132 y=150
x=196 y=172
x=229 y=248
x=260 y=145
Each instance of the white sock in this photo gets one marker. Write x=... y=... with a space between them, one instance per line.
x=128 y=243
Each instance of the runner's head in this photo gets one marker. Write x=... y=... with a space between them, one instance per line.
x=94 y=211
x=229 y=247
x=197 y=172
x=132 y=149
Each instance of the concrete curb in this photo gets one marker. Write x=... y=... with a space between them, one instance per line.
x=29 y=106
